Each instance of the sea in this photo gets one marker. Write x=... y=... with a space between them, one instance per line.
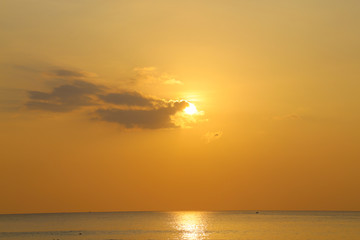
x=240 y=225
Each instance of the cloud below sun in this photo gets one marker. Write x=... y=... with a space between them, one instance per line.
x=129 y=108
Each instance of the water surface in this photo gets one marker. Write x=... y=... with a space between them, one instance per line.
x=244 y=225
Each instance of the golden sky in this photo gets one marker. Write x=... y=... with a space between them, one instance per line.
x=179 y=105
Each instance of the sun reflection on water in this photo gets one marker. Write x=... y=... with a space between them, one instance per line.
x=191 y=225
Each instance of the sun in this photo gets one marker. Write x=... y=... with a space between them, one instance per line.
x=191 y=109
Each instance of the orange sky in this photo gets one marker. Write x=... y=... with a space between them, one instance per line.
x=92 y=99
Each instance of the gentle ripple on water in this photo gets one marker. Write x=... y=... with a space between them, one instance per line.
x=244 y=225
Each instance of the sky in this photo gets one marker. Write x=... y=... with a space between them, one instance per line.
x=179 y=105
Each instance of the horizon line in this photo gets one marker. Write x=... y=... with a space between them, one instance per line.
x=168 y=211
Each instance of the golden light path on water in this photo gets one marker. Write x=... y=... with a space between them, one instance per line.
x=191 y=225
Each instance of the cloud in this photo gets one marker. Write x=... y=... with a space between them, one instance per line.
x=64 y=98
x=130 y=109
x=212 y=136
x=65 y=73
x=173 y=81
x=288 y=117
x=144 y=70
x=25 y=68
x=11 y=99
x=79 y=93
x=151 y=75
x=128 y=98
x=151 y=119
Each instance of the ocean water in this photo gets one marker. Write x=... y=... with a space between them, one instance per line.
x=240 y=225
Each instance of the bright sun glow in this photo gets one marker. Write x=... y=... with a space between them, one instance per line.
x=191 y=109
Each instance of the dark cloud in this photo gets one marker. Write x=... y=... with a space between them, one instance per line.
x=70 y=74
x=78 y=93
x=50 y=106
x=36 y=95
x=67 y=73
x=65 y=97
x=128 y=108
x=152 y=119
x=128 y=98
